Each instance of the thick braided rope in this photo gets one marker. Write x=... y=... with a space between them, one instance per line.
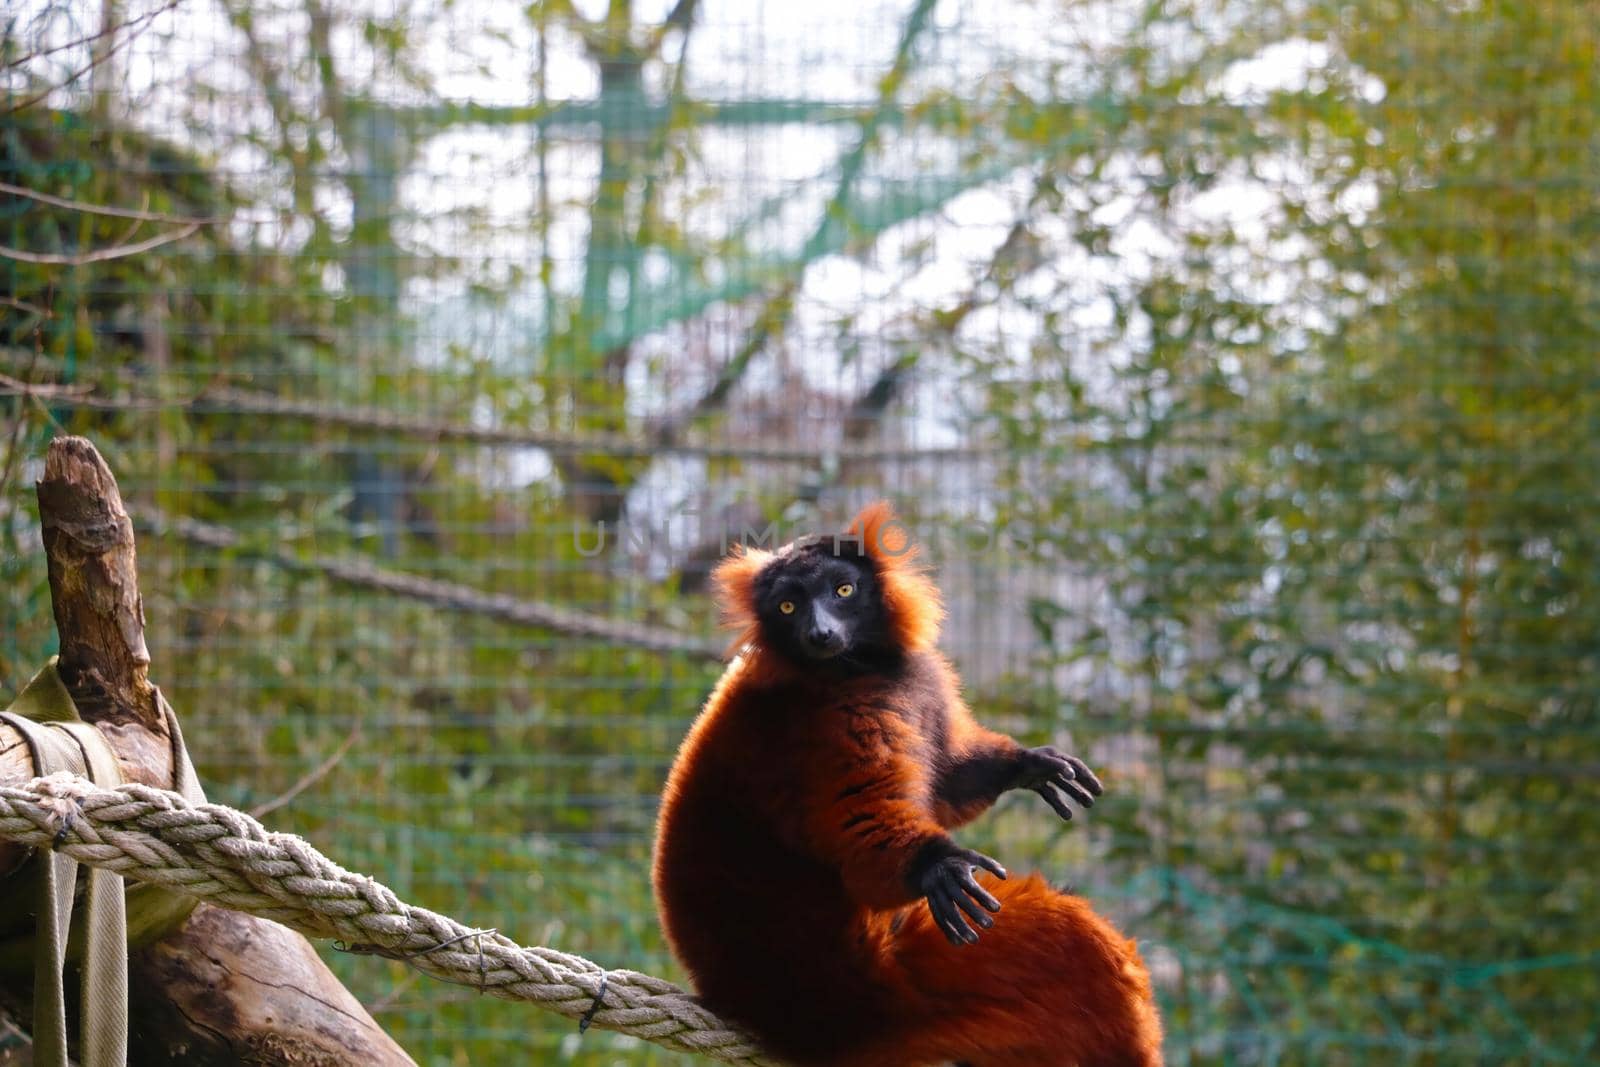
x=224 y=856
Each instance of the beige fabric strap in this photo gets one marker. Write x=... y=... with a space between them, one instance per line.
x=46 y=717
x=55 y=880
x=103 y=1032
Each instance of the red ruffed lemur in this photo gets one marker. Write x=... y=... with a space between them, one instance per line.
x=804 y=868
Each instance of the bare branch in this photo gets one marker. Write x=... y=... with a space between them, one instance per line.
x=134 y=26
x=88 y=38
x=221 y=399
x=448 y=595
x=311 y=777
x=25 y=306
x=10 y=386
x=14 y=439
x=119 y=251
x=100 y=209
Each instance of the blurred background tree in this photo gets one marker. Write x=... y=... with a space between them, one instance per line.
x=1236 y=360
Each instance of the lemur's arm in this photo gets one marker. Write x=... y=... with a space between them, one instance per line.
x=982 y=764
x=870 y=816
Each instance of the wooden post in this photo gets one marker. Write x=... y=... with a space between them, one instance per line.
x=94 y=592
x=223 y=988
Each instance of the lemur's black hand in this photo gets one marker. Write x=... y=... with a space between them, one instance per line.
x=1056 y=776
x=944 y=875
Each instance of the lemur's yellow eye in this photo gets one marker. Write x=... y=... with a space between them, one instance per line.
x=787 y=607
x=846 y=589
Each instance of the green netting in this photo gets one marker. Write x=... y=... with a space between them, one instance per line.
x=1238 y=361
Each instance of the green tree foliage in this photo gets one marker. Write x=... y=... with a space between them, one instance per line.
x=1340 y=496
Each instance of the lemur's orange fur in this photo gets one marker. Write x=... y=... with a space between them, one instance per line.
x=786 y=830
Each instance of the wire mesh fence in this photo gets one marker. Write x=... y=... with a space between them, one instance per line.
x=1236 y=361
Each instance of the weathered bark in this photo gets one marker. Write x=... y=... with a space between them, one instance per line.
x=221 y=991
x=223 y=988
x=94 y=592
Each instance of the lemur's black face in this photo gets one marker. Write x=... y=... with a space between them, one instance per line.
x=820 y=608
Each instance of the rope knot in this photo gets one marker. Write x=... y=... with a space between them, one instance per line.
x=65 y=786
x=61 y=798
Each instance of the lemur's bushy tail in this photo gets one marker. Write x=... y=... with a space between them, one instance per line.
x=1052 y=984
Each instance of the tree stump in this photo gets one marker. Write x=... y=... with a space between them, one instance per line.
x=223 y=988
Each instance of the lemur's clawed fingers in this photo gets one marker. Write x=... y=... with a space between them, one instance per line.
x=1059 y=805
x=950 y=924
x=956 y=900
x=1076 y=790
x=974 y=909
x=978 y=859
x=971 y=888
x=1082 y=773
x=1059 y=778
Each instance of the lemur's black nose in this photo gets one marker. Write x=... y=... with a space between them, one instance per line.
x=825 y=638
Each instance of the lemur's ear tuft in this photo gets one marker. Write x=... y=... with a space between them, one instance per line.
x=910 y=598
x=734 y=582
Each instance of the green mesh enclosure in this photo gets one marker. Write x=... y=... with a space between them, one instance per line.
x=1238 y=363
